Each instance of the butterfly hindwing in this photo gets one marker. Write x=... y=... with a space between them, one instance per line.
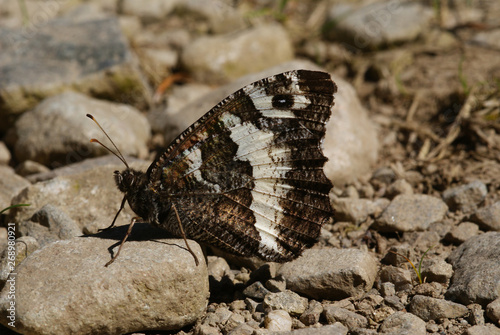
x=248 y=176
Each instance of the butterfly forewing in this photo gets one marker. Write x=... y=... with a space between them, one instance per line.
x=248 y=176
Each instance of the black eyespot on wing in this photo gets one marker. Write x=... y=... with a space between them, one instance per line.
x=283 y=101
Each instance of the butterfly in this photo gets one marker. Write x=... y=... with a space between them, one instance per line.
x=247 y=177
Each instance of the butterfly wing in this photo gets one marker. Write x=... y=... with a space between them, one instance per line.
x=248 y=176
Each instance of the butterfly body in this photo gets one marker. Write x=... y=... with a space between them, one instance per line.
x=247 y=177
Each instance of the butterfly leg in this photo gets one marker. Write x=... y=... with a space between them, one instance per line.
x=184 y=235
x=129 y=230
x=116 y=216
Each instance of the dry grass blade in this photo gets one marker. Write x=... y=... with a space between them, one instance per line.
x=440 y=150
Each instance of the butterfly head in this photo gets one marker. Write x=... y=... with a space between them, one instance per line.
x=127 y=179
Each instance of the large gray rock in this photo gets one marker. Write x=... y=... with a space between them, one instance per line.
x=465 y=197
x=477 y=270
x=57 y=132
x=221 y=58
x=331 y=273
x=378 y=24
x=90 y=56
x=64 y=287
x=428 y=308
x=413 y=212
x=350 y=142
x=488 y=218
x=348 y=318
x=401 y=323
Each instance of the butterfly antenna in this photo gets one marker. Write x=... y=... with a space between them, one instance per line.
x=119 y=154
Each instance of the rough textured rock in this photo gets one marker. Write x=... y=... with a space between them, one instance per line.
x=402 y=323
x=88 y=56
x=477 y=270
x=237 y=54
x=414 y=212
x=488 y=218
x=278 y=320
x=312 y=313
x=153 y=285
x=428 y=308
x=380 y=24
x=493 y=311
x=401 y=278
x=354 y=210
x=10 y=185
x=349 y=319
x=335 y=329
x=436 y=270
x=489 y=38
x=49 y=224
x=465 y=197
x=28 y=167
x=483 y=330
x=57 y=132
x=330 y=273
x=288 y=301
x=351 y=142
x=462 y=232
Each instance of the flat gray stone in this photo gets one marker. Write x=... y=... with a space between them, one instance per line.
x=379 y=24
x=493 y=311
x=331 y=273
x=401 y=278
x=354 y=210
x=350 y=141
x=335 y=329
x=488 y=218
x=465 y=197
x=278 y=320
x=39 y=132
x=28 y=167
x=436 y=270
x=216 y=59
x=10 y=185
x=477 y=270
x=288 y=301
x=415 y=212
x=87 y=56
x=489 y=38
x=49 y=224
x=428 y=308
x=349 y=319
x=312 y=313
x=488 y=329
x=152 y=285
x=461 y=233
x=402 y=323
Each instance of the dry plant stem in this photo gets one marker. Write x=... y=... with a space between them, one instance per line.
x=417 y=128
x=413 y=107
x=440 y=150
